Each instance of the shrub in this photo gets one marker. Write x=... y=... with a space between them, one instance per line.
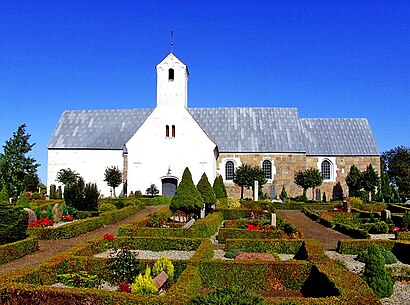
x=50 y=212
x=228 y=297
x=206 y=190
x=107 y=207
x=389 y=257
x=219 y=187
x=375 y=273
x=187 y=198
x=144 y=284
x=124 y=266
x=283 y=194
x=37 y=211
x=165 y=265
x=23 y=201
x=406 y=219
x=13 y=223
x=231 y=253
x=379 y=228
x=80 y=279
x=233 y=203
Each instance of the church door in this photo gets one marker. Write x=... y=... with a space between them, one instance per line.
x=169 y=185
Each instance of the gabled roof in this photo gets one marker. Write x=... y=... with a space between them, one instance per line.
x=339 y=137
x=241 y=130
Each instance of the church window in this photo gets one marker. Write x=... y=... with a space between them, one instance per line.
x=173 y=131
x=171 y=75
x=326 y=169
x=229 y=170
x=167 y=131
x=267 y=169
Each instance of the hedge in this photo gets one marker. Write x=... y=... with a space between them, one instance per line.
x=240 y=213
x=351 y=231
x=227 y=233
x=12 y=251
x=402 y=249
x=354 y=246
x=395 y=208
x=403 y=235
x=201 y=228
x=282 y=246
x=82 y=226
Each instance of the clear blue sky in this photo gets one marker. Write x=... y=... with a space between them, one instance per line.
x=327 y=58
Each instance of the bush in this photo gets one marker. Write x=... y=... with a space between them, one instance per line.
x=107 y=207
x=389 y=257
x=165 y=265
x=13 y=223
x=23 y=201
x=144 y=284
x=406 y=219
x=375 y=273
x=124 y=266
x=206 y=190
x=187 y=198
x=228 y=297
x=15 y=250
x=233 y=203
x=219 y=187
x=231 y=253
x=379 y=228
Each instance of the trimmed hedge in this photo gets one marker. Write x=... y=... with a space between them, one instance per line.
x=395 y=208
x=351 y=231
x=354 y=246
x=12 y=251
x=403 y=235
x=401 y=250
x=82 y=226
x=282 y=246
x=240 y=213
x=227 y=233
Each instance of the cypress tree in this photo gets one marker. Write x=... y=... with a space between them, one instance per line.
x=354 y=181
x=187 y=198
x=206 y=190
x=219 y=187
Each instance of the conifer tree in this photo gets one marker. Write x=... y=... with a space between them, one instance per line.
x=219 y=187
x=206 y=190
x=354 y=181
x=187 y=198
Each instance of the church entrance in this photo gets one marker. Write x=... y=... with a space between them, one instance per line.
x=169 y=185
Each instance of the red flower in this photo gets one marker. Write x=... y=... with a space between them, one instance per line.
x=395 y=229
x=68 y=218
x=252 y=227
x=124 y=287
x=108 y=237
x=404 y=229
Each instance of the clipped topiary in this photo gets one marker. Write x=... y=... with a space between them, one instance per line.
x=375 y=273
x=165 y=265
x=283 y=194
x=13 y=223
x=206 y=190
x=187 y=198
x=379 y=227
x=228 y=296
x=219 y=187
x=23 y=201
x=105 y=207
x=389 y=257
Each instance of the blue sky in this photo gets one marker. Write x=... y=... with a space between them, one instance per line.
x=327 y=58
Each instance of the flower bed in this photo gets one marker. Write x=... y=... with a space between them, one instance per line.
x=82 y=226
x=15 y=250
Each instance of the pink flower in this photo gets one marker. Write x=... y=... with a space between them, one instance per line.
x=395 y=229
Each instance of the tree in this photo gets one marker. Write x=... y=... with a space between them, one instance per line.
x=31 y=182
x=397 y=162
x=66 y=176
x=83 y=197
x=13 y=220
x=219 y=187
x=4 y=198
x=370 y=179
x=15 y=165
x=283 y=194
x=246 y=175
x=53 y=191
x=113 y=177
x=152 y=190
x=206 y=190
x=354 y=181
x=375 y=273
x=187 y=198
x=310 y=178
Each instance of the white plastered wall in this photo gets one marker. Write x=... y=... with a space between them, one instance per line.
x=90 y=164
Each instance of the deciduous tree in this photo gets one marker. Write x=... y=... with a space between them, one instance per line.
x=397 y=162
x=310 y=178
x=113 y=177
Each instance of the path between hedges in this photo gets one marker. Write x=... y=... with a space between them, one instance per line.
x=49 y=248
x=313 y=230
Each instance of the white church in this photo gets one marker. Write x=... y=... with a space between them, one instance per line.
x=153 y=146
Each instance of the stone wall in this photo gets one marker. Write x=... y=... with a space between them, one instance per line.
x=285 y=166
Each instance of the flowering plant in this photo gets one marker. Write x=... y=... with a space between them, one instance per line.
x=252 y=227
x=68 y=218
x=124 y=287
x=41 y=223
x=108 y=237
x=395 y=229
x=405 y=229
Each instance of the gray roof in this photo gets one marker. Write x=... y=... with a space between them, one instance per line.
x=245 y=129
x=339 y=137
x=97 y=129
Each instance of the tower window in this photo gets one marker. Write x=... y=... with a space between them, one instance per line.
x=167 y=131
x=171 y=75
x=173 y=131
x=229 y=170
x=267 y=169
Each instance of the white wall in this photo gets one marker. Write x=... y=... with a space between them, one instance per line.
x=150 y=153
x=90 y=164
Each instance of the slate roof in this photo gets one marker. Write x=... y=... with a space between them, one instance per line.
x=245 y=129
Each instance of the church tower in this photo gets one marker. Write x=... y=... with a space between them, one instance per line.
x=172 y=82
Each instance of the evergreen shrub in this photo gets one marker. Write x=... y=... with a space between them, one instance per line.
x=379 y=227
x=206 y=190
x=219 y=187
x=163 y=264
x=187 y=198
x=23 y=200
x=144 y=284
x=389 y=257
x=13 y=223
x=107 y=207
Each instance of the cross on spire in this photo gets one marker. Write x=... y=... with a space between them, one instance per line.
x=172 y=40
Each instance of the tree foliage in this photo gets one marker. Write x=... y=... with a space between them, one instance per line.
x=310 y=178
x=370 y=179
x=152 y=190
x=13 y=222
x=397 y=163
x=4 y=197
x=83 y=197
x=66 y=176
x=219 y=187
x=354 y=181
x=206 y=190
x=187 y=198
x=113 y=177
x=246 y=175
x=15 y=165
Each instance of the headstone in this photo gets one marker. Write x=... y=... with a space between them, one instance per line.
x=57 y=212
x=160 y=279
x=386 y=214
x=407 y=202
x=272 y=192
x=189 y=224
x=31 y=215
x=273 y=219
x=318 y=197
x=256 y=191
x=347 y=206
x=203 y=212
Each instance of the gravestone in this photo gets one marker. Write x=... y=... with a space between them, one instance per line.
x=347 y=206
x=31 y=215
x=272 y=192
x=256 y=191
x=57 y=212
x=189 y=224
x=202 y=212
x=160 y=279
x=318 y=197
x=273 y=219
x=386 y=214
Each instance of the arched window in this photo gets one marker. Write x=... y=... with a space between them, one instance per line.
x=325 y=169
x=167 y=131
x=229 y=170
x=171 y=75
x=173 y=131
x=267 y=169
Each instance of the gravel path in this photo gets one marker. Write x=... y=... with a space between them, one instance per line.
x=49 y=248
x=313 y=230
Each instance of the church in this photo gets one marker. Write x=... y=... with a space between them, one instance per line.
x=154 y=145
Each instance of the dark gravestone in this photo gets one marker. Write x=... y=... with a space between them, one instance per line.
x=272 y=192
